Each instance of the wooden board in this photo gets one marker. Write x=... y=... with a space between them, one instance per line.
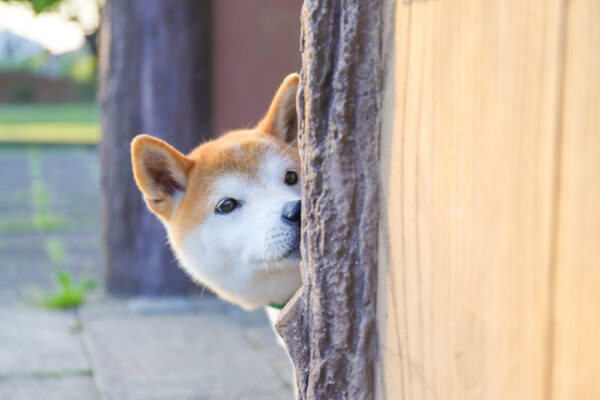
x=576 y=360
x=470 y=155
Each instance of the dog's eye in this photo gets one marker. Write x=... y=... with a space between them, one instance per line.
x=291 y=177
x=226 y=206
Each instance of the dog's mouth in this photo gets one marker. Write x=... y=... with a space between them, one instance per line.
x=293 y=254
x=290 y=255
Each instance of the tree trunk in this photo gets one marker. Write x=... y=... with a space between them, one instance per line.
x=329 y=326
x=154 y=78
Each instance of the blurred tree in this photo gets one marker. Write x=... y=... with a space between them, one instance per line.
x=154 y=78
x=38 y=5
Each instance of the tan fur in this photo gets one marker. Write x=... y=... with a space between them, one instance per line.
x=238 y=151
x=250 y=254
x=151 y=154
x=281 y=120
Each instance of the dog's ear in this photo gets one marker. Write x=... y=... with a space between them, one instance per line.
x=282 y=119
x=160 y=171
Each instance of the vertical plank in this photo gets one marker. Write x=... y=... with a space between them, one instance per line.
x=576 y=372
x=468 y=181
x=153 y=76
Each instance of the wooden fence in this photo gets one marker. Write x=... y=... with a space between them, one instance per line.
x=489 y=255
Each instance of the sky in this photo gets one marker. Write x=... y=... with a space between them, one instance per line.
x=53 y=30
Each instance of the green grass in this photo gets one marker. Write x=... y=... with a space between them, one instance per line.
x=28 y=113
x=69 y=294
x=51 y=132
x=49 y=123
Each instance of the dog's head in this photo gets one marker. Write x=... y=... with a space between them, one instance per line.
x=232 y=206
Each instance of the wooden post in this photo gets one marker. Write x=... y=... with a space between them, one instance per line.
x=489 y=266
x=154 y=78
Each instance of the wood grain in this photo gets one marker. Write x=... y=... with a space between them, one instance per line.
x=576 y=361
x=469 y=168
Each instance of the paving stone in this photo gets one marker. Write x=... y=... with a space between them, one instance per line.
x=13 y=184
x=28 y=242
x=143 y=348
x=39 y=341
x=261 y=338
x=25 y=278
x=66 y=388
x=181 y=350
x=71 y=172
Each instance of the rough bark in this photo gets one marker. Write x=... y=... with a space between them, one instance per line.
x=154 y=78
x=329 y=326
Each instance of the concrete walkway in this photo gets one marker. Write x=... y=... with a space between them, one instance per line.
x=141 y=348
x=146 y=349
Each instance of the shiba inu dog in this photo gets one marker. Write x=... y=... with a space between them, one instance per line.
x=231 y=207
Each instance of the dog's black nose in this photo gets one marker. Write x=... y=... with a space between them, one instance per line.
x=291 y=212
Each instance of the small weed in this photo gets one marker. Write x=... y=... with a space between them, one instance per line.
x=55 y=248
x=69 y=294
x=17 y=225
x=39 y=222
x=45 y=222
x=40 y=196
x=42 y=220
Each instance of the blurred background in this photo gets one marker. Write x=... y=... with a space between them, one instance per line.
x=92 y=302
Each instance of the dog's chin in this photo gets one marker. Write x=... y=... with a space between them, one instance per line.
x=293 y=254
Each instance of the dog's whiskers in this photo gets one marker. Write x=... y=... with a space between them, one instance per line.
x=286 y=148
